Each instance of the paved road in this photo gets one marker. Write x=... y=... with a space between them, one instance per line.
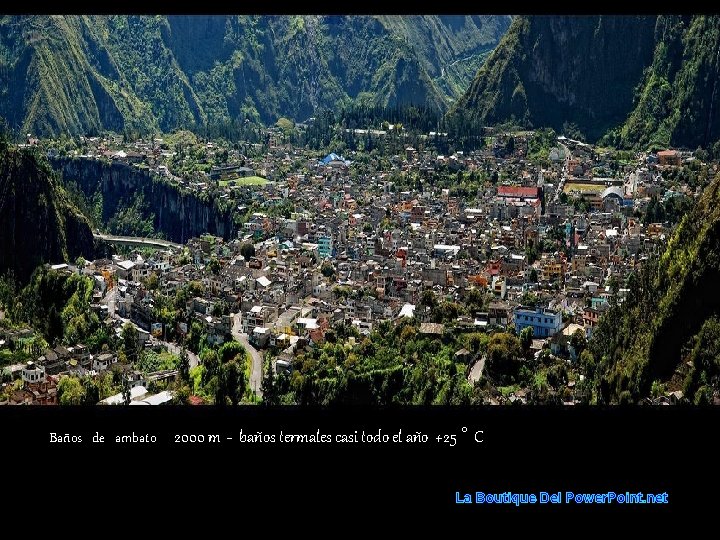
x=256 y=368
x=177 y=349
x=136 y=241
x=477 y=370
x=564 y=176
x=111 y=300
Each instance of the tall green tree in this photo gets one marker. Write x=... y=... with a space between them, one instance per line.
x=55 y=326
x=184 y=365
x=211 y=363
x=70 y=391
x=504 y=357
x=92 y=391
x=214 y=265
x=231 y=383
x=578 y=341
x=526 y=337
x=130 y=339
x=247 y=250
x=270 y=396
x=231 y=350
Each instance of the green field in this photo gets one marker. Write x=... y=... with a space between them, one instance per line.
x=594 y=188
x=247 y=181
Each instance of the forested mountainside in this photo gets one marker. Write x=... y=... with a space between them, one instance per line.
x=37 y=220
x=635 y=80
x=677 y=103
x=82 y=74
x=667 y=332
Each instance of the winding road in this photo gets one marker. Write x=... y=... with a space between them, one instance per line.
x=136 y=241
x=257 y=360
x=174 y=348
x=111 y=300
x=256 y=368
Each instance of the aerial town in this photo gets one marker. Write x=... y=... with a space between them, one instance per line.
x=532 y=231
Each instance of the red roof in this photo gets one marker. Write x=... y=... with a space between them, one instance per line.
x=316 y=335
x=518 y=191
x=667 y=153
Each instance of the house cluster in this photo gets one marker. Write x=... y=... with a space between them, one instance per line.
x=36 y=381
x=39 y=377
x=541 y=244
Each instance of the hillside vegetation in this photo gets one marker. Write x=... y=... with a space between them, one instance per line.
x=38 y=222
x=667 y=331
x=631 y=81
x=83 y=74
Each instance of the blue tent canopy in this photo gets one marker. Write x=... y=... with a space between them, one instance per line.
x=331 y=157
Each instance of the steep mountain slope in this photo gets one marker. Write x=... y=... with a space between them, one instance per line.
x=679 y=100
x=645 y=80
x=55 y=76
x=548 y=70
x=81 y=74
x=37 y=222
x=665 y=319
x=451 y=48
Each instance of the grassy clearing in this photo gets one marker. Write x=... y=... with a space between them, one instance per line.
x=570 y=186
x=247 y=181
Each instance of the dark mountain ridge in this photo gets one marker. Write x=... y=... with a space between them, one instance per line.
x=635 y=81
x=79 y=74
x=38 y=222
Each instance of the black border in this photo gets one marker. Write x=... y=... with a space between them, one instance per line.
x=525 y=449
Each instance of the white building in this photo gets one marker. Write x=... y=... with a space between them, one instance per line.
x=33 y=373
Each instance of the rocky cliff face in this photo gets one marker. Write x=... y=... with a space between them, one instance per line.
x=179 y=215
x=548 y=70
x=638 y=81
x=678 y=101
x=38 y=224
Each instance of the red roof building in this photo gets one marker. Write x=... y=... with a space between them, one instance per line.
x=669 y=157
x=519 y=191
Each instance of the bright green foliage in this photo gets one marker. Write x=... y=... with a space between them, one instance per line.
x=394 y=365
x=58 y=305
x=223 y=374
x=130 y=345
x=151 y=361
x=133 y=218
x=505 y=357
x=526 y=337
x=540 y=143
x=232 y=350
x=638 y=81
x=664 y=319
x=140 y=74
x=678 y=96
x=70 y=391
x=701 y=380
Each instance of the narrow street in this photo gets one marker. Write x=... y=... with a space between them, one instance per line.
x=255 y=355
x=111 y=300
x=565 y=171
x=477 y=370
x=177 y=349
